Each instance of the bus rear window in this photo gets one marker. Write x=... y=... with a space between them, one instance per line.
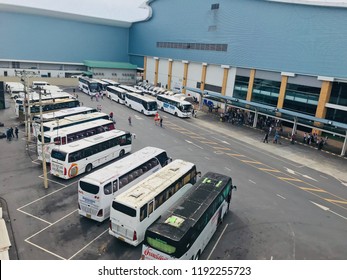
x=124 y=209
x=89 y=188
x=58 y=155
x=161 y=245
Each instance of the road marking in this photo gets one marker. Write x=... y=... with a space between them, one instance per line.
x=227 y=168
x=221 y=148
x=252 y=182
x=235 y=155
x=43 y=249
x=88 y=244
x=327 y=209
x=313 y=189
x=280 y=196
x=251 y=161
x=336 y=201
x=308 y=177
x=324 y=177
x=269 y=170
x=215 y=245
x=290 y=171
x=190 y=142
x=298 y=173
x=289 y=179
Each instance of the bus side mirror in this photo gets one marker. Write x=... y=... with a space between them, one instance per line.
x=234 y=187
x=198 y=173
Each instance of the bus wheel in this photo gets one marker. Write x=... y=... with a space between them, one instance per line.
x=141 y=111
x=162 y=108
x=89 y=167
x=121 y=153
x=129 y=105
x=197 y=257
x=175 y=114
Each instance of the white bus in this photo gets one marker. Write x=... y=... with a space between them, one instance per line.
x=131 y=89
x=116 y=93
x=34 y=97
x=184 y=231
x=97 y=189
x=69 y=121
x=70 y=160
x=174 y=106
x=47 y=106
x=39 y=84
x=46 y=117
x=88 y=86
x=111 y=82
x=15 y=89
x=138 y=207
x=140 y=103
x=70 y=134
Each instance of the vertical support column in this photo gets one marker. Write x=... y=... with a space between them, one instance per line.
x=203 y=76
x=225 y=78
x=169 y=75
x=255 y=121
x=344 y=147
x=185 y=75
x=295 y=125
x=282 y=93
x=250 y=85
x=324 y=97
x=156 y=70
x=145 y=68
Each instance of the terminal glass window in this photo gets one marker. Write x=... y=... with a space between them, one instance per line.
x=339 y=94
x=241 y=87
x=303 y=99
x=266 y=92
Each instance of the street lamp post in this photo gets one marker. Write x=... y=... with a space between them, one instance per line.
x=44 y=166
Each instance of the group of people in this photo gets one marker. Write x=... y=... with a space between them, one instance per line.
x=10 y=133
x=268 y=131
x=312 y=138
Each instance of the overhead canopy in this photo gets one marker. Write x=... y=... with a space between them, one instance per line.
x=260 y=107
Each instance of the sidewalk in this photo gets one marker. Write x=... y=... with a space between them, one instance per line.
x=326 y=161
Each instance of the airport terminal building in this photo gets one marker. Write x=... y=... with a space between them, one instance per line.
x=286 y=54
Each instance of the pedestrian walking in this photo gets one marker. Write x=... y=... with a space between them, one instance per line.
x=111 y=116
x=161 y=122
x=16 y=132
x=129 y=120
x=266 y=137
x=8 y=134
x=12 y=134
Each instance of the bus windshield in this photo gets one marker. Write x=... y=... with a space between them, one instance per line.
x=58 y=155
x=186 y=108
x=47 y=139
x=152 y=106
x=94 y=86
x=90 y=188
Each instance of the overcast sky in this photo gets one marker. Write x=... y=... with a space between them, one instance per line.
x=122 y=10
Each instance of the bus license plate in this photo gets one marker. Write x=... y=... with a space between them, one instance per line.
x=89 y=216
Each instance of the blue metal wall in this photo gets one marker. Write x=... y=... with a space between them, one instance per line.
x=29 y=37
x=260 y=34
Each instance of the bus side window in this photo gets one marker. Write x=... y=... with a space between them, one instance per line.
x=108 y=189
x=143 y=212
x=150 y=208
x=114 y=184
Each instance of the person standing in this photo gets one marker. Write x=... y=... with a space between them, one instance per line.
x=161 y=122
x=16 y=131
x=266 y=136
x=11 y=131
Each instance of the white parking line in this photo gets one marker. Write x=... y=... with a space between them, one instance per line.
x=88 y=244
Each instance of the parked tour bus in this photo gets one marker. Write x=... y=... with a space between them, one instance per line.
x=111 y=82
x=39 y=84
x=174 y=106
x=48 y=106
x=138 y=207
x=116 y=94
x=57 y=115
x=70 y=134
x=68 y=161
x=97 y=189
x=183 y=231
x=131 y=89
x=88 y=86
x=34 y=97
x=140 y=103
x=69 y=121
